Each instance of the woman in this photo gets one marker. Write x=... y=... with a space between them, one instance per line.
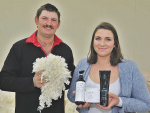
x=128 y=90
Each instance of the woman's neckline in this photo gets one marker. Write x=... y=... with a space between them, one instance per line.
x=99 y=84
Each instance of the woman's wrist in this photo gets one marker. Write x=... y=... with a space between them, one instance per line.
x=120 y=102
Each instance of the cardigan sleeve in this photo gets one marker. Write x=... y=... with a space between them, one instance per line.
x=140 y=97
x=10 y=80
x=81 y=66
x=70 y=95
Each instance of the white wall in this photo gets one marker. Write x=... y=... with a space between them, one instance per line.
x=131 y=18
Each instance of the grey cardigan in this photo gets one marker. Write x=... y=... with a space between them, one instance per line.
x=134 y=92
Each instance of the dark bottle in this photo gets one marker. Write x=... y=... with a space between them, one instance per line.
x=104 y=87
x=80 y=90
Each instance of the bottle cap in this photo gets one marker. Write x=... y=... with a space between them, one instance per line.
x=81 y=76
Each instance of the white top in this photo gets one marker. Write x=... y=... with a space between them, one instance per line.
x=113 y=88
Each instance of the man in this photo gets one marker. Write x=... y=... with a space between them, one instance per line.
x=16 y=74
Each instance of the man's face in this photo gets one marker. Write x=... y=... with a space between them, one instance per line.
x=47 y=23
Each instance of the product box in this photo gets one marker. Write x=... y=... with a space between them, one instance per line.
x=92 y=95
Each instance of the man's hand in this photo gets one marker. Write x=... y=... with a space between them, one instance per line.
x=113 y=100
x=37 y=79
x=85 y=105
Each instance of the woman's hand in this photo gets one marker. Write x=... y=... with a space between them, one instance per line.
x=86 y=104
x=113 y=100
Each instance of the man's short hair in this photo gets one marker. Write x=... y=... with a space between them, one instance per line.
x=48 y=7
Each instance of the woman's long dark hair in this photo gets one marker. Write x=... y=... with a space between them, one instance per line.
x=116 y=55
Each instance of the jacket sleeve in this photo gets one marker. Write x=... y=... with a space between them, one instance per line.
x=140 y=97
x=10 y=78
x=70 y=95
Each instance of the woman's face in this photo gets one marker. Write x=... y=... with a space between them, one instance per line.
x=103 y=42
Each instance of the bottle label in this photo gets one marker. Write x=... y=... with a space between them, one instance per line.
x=80 y=89
x=92 y=95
